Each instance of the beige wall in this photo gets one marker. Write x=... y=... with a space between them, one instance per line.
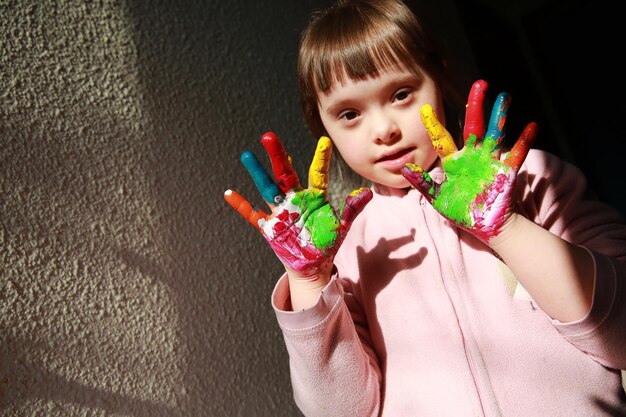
x=127 y=286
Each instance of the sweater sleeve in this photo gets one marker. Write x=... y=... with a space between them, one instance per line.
x=602 y=332
x=334 y=372
x=559 y=199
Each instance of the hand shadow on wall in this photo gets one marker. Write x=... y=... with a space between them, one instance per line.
x=378 y=265
x=40 y=384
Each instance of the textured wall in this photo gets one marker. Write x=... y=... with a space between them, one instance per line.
x=125 y=286
x=128 y=287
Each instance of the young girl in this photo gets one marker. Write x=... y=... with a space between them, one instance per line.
x=466 y=281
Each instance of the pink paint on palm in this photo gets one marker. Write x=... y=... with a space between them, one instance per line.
x=491 y=209
x=497 y=200
x=292 y=243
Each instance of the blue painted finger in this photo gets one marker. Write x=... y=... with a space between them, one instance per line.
x=264 y=183
x=498 y=117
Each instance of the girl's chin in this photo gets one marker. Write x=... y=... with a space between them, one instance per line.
x=395 y=183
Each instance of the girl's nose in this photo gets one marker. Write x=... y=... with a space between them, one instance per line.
x=386 y=130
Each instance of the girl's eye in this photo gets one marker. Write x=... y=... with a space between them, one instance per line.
x=402 y=95
x=348 y=115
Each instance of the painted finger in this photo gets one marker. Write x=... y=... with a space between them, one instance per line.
x=264 y=183
x=421 y=180
x=243 y=207
x=318 y=172
x=439 y=136
x=474 y=113
x=286 y=177
x=520 y=150
x=355 y=203
x=500 y=110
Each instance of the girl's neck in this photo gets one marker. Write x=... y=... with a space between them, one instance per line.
x=389 y=191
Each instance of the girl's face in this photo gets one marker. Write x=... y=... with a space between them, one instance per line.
x=375 y=123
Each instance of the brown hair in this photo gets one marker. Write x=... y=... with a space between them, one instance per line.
x=358 y=37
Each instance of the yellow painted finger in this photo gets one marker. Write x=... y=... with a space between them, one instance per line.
x=439 y=136
x=318 y=172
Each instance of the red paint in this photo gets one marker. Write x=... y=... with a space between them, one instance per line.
x=285 y=175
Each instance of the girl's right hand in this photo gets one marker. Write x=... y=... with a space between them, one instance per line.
x=477 y=192
x=303 y=229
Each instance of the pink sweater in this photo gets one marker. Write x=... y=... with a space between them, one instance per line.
x=422 y=319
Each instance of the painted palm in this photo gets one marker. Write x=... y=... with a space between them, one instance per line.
x=477 y=191
x=303 y=229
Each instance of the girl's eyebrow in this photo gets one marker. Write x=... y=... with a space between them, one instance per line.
x=408 y=79
x=338 y=105
x=341 y=103
x=334 y=105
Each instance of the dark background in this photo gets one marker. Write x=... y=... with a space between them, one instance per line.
x=560 y=61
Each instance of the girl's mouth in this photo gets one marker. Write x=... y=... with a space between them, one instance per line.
x=398 y=159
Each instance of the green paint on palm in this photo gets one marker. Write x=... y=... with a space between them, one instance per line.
x=318 y=218
x=467 y=176
x=322 y=225
x=428 y=179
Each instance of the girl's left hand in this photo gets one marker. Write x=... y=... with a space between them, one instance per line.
x=303 y=229
x=477 y=191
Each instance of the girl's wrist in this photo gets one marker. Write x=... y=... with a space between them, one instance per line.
x=312 y=284
x=320 y=273
x=305 y=290
x=318 y=280
x=506 y=231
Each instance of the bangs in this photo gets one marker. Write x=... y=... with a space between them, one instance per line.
x=359 y=60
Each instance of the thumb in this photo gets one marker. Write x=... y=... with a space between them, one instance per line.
x=421 y=180
x=355 y=203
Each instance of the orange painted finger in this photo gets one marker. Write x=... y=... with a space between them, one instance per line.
x=243 y=207
x=439 y=136
x=520 y=150
x=284 y=173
